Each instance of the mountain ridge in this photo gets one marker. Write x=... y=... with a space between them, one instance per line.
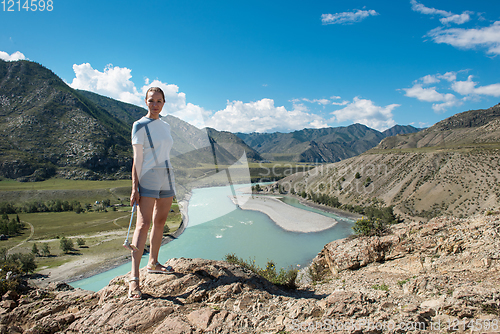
x=417 y=173
x=319 y=145
x=467 y=128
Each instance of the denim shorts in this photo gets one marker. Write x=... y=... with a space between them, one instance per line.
x=157 y=183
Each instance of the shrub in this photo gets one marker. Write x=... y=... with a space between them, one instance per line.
x=45 y=249
x=10 y=274
x=25 y=262
x=317 y=272
x=80 y=242
x=284 y=278
x=382 y=287
x=369 y=226
x=66 y=245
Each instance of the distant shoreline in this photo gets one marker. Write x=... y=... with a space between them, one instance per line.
x=287 y=217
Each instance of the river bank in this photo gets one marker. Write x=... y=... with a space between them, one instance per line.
x=89 y=266
x=286 y=216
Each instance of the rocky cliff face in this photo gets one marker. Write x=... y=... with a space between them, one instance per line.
x=440 y=276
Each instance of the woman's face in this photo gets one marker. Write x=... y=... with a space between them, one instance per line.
x=155 y=103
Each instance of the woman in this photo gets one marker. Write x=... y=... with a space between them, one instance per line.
x=152 y=185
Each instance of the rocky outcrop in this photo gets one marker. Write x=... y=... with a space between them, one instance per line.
x=440 y=276
x=442 y=245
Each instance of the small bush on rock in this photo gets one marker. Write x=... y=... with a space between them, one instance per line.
x=283 y=277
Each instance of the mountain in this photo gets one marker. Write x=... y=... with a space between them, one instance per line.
x=48 y=127
x=319 y=145
x=451 y=168
x=400 y=130
x=470 y=128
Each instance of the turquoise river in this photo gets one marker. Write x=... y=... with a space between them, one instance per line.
x=217 y=227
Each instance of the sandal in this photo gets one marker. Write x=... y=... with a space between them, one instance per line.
x=154 y=270
x=135 y=294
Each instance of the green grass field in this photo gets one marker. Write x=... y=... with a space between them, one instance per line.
x=61 y=184
x=103 y=232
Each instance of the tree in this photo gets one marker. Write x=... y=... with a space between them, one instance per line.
x=3 y=254
x=28 y=264
x=358 y=176
x=66 y=245
x=12 y=227
x=45 y=249
x=80 y=242
x=34 y=250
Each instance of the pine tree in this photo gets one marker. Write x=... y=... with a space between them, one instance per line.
x=45 y=249
x=34 y=250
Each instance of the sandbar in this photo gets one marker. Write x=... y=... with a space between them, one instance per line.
x=286 y=216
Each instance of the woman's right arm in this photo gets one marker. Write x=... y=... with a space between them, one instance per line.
x=136 y=172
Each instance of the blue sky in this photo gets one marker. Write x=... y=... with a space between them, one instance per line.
x=270 y=66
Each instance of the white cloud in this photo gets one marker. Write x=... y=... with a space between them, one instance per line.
x=418 y=7
x=429 y=94
x=487 y=37
x=442 y=107
x=447 y=17
x=318 y=101
x=468 y=87
x=464 y=87
x=347 y=17
x=113 y=82
x=448 y=76
x=13 y=57
x=366 y=112
x=263 y=116
x=430 y=79
x=456 y=18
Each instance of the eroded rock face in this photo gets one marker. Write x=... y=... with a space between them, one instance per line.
x=428 y=277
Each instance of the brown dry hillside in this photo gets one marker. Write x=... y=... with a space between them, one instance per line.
x=452 y=168
x=470 y=128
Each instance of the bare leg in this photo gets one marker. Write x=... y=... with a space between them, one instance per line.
x=144 y=216
x=160 y=214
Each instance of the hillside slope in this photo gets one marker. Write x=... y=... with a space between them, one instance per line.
x=471 y=128
x=45 y=126
x=459 y=179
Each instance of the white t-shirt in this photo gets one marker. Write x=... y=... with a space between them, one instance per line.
x=156 y=140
